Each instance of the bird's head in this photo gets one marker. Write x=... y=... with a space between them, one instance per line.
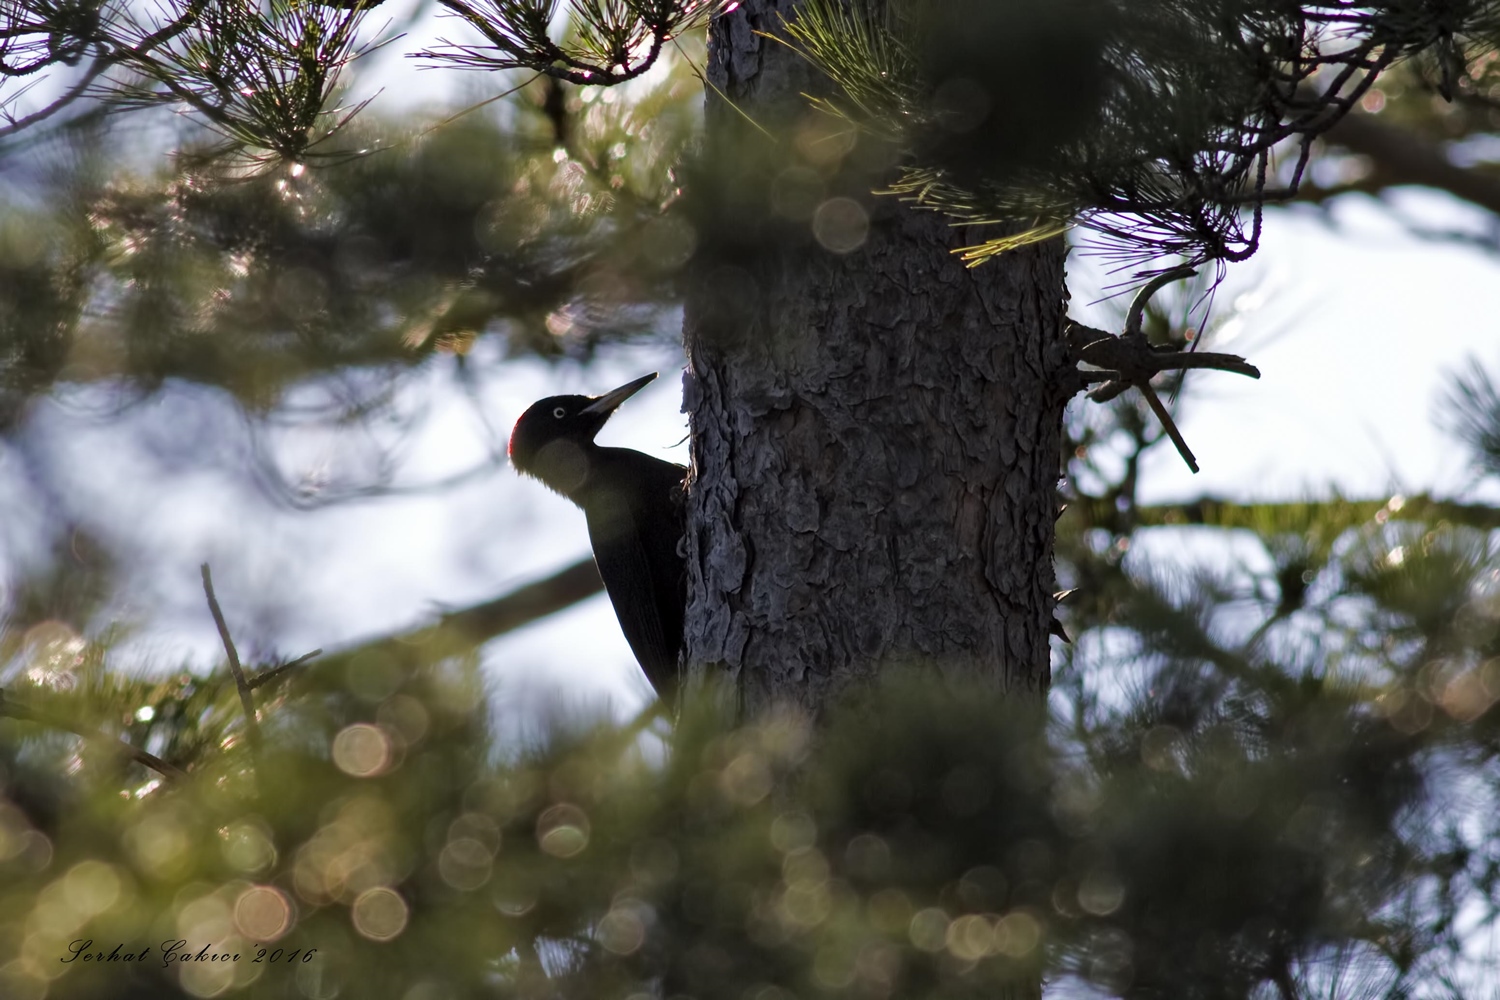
x=552 y=439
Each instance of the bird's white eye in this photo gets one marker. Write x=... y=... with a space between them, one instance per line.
x=559 y=413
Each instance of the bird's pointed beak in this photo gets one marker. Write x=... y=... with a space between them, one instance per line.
x=604 y=405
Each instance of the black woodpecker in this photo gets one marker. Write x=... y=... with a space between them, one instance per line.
x=633 y=504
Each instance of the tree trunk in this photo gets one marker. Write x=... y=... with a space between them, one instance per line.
x=876 y=433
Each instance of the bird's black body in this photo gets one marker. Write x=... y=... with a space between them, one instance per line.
x=633 y=504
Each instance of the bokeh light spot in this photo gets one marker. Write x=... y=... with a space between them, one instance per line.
x=562 y=830
x=52 y=651
x=91 y=887
x=406 y=716
x=929 y=929
x=805 y=904
x=465 y=864
x=970 y=938
x=513 y=900
x=805 y=865
x=1017 y=934
x=246 y=847
x=379 y=914
x=746 y=780
x=793 y=830
x=841 y=225
x=623 y=929
x=362 y=750
x=1101 y=893
x=159 y=844
x=263 y=913
x=206 y=918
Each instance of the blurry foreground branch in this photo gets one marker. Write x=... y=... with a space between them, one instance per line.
x=458 y=632
x=1218 y=513
x=1400 y=156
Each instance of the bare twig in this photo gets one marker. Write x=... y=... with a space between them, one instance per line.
x=271 y=673
x=1168 y=424
x=242 y=685
x=79 y=88
x=10 y=709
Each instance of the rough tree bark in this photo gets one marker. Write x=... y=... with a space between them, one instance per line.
x=875 y=434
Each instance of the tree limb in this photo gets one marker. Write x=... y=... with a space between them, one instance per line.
x=1130 y=360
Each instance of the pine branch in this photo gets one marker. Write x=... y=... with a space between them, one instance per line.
x=1168 y=152
x=11 y=709
x=110 y=52
x=262 y=78
x=611 y=42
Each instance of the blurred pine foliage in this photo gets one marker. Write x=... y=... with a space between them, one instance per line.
x=1273 y=774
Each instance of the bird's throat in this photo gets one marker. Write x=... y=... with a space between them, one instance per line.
x=562 y=466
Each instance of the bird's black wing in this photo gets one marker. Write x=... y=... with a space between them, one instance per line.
x=634 y=531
